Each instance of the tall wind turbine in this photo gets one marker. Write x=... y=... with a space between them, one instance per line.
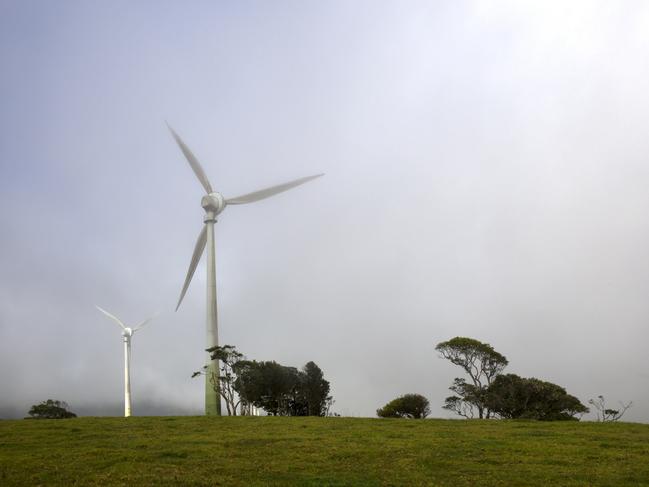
x=127 y=333
x=214 y=203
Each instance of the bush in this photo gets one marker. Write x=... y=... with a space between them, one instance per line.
x=50 y=409
x=407 y=406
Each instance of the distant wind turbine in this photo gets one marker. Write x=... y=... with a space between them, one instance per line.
x=214 y=203
x=127 y=333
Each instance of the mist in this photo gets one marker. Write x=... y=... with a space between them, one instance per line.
x=486 y=176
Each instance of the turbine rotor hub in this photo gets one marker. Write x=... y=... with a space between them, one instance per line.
x=213 y=203
x=127 y=333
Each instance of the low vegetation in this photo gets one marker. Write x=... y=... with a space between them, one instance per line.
x=413 y=406
x=605 y=413
x=51 y=409
x=313 y=451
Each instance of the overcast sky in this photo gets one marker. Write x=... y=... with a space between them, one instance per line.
x=487 y=175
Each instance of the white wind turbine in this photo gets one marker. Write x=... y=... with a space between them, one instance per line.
x=127 y=333
x=214 y=203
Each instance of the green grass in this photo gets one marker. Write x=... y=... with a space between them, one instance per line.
x=253 y=451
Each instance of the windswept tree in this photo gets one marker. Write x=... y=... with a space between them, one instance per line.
x=51 y=409
x=510 y=396
x=230 y=361
x=413 y=406
x=606 y=414
x=482 y=364
x=467 y=400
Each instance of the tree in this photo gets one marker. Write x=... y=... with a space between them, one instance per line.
x=51 y=409
x=467 y=395
x=229 y=365
x=482 y=364
x=413 y=406
x=315 y=390
x=282 y=390
x=268 y=385
x=605 y=414
x=510 y=396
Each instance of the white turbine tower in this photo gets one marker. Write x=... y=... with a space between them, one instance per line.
x=214 y=203
x=127 y=333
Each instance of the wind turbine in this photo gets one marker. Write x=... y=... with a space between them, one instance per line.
x=214 y=203
x=127 y=333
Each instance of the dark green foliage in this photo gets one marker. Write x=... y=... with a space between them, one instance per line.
x=315 y=390
x=413 y=406
x=482 y=364
x=279 y=390
x=511 y=396
x=50 y=409
x=267 y=385
x=282 y=390
x=505 y=396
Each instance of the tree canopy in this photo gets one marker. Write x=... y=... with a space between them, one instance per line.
x=275 y=388
x=267 y=385
x=51 y=409
x=479 y=360
x=282 y=390
x=511 y=396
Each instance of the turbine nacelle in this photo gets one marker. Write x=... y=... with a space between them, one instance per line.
x=127 y=331
x=213 y=203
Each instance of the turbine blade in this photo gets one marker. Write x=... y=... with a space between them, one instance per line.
x=193 y=162
x=119 y=322
x=144 y=323
x=267 y=192
x=198 y=251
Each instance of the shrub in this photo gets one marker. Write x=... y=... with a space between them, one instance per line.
x=50 y=409
x=407 y=406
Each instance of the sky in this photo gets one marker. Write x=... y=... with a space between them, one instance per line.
x=486 y=176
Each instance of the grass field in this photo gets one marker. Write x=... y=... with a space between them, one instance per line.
x=320 y=451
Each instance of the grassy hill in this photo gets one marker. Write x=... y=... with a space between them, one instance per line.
x=320 y=451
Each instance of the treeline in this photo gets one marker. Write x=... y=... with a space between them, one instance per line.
x=279 y=390
x=486 y=392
